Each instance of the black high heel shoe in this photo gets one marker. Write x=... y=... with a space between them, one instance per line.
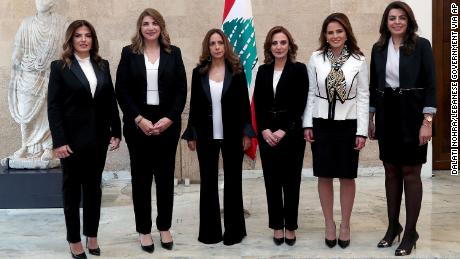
x=147 y=248
x=166 y=245
x=390 y=236
x=77 y=256
x=344 y=243
x=290 y=241
x=278 y=241
x=330 y=242
x=95 y=251
x=407 y=249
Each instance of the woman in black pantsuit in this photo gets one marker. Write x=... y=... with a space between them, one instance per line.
x=83 y=118
x=403 y=98
x=280 y=96
x=151 y=88
x=219 y=120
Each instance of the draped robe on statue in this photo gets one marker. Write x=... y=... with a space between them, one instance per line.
x=37 y=43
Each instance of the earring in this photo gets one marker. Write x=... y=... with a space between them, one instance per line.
x=210 y=58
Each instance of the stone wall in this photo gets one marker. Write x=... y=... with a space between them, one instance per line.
x=187 y=22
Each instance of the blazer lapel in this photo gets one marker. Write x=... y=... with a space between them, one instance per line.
x=281 y=83
x=206 y=87
x=384 y=55
x=78 y=72
x=227 y=80
x=140 y=62
x=404 y=66
x=99 y=76
x=270 y=70
x=164 y=59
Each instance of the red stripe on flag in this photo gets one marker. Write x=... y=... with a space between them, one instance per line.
x=251 y=152
x=227 y=7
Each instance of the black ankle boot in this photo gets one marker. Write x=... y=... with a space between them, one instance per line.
x=405 y=248
x=391 y=234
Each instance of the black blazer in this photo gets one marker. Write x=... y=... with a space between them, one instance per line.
x=236 y=111
x=131 y=85
x=285 y=109
x=75 y=117
x=417 y=81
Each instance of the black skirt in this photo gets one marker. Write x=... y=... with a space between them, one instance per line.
x=392 y=147
x=333 y=151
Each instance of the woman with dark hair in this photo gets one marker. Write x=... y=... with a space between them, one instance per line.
x=83 y=118
x=403 y=99
x=219 y=120
x=280 y=96
x=151 y=88
x=335 y=119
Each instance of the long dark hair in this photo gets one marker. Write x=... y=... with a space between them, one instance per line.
x=68 y=49
x=137 y=41
x=411 y=33
x=351 y=42
x=292 y=52
x=230 y=57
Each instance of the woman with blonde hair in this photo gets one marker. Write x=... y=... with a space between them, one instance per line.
x=151 y=88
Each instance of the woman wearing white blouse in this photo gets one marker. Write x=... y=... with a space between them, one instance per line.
x=151 y=88
x=219 y=121
x=336 y=119
x=280 y=95
x=83 y=118
x=403 y=99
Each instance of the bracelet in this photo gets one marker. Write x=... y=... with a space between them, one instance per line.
x=139 y=121
x=426 y=125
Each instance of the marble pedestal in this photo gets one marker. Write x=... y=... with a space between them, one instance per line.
x=21 y=189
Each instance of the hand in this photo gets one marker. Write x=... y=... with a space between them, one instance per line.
x=146 y=126
x=162 y=125
x=246 y=142
x=114 y=144
x=424 y=135
x=269 y=137
x=63 y=151
x=279 y=134
x=371 y=130
x=308 y=135
x=191 y=145
x=360 y=142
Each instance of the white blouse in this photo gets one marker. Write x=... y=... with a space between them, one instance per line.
x=88 y=70
x=392 y=67
x=276 y=79
x=216 y=95
x=356 y=106
x=152 y=81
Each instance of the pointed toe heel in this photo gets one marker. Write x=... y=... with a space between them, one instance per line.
x=167 y=245
x=407 y=248
x=278 y=241
x=343 y=243
x=289 y=241
x=390 y=236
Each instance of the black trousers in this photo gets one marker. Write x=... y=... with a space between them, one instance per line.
x=210 y=223
x=282 y=169
x=82 y=172
x=152 y=156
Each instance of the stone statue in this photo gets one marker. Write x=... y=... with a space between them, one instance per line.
x=37 y=43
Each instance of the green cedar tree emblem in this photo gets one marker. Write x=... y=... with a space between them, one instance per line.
x=241 y=35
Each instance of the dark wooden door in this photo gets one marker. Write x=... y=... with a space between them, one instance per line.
x=441 y=49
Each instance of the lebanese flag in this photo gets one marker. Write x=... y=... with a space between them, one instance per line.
x=238 y=25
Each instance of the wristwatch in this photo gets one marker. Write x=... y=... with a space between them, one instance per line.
x=429 y=118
